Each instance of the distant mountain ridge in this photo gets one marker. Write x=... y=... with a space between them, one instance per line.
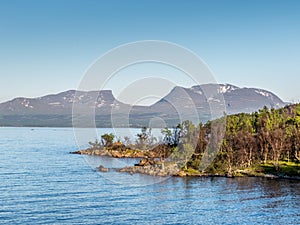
x=56 y=109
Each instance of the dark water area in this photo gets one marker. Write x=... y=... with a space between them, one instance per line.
x=41 y=183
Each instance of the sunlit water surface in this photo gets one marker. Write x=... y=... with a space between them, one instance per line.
x=41 y=183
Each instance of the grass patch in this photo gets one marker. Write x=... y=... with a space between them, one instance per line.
x=132 y=151
x=192 y=171
x=284 y=168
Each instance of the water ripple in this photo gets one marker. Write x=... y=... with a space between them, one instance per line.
x=42 y=184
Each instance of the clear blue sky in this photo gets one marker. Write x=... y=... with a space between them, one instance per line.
x=46 y=46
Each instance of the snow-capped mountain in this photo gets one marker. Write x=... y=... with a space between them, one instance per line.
x=56 y=109
x=59 y=103
x=235 y=99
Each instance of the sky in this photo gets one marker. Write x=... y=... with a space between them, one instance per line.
x=47 y=46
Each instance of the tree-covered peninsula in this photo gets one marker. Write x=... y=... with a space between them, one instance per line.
x=263 y=143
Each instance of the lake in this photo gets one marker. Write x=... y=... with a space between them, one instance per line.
x=41 y=183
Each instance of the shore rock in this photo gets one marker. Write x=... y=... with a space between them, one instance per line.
x=181 y=173
x=146 y=162
x=103 y=169
x=152 y=168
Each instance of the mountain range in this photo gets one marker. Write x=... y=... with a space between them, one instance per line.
x=202 y=101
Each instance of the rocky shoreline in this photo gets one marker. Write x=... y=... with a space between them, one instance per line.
x=163 y=169
x=126 y=153
x=157 y=171
x=150 y=164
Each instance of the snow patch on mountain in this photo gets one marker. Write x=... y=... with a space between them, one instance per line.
x=100 y=103
x=225 y=88
x=221 y=88
x=211 y=99
x=26 y=104
x=197 y=90
x=263 y=93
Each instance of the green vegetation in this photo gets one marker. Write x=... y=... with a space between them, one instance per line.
x=284 y=168
x=107 y=139
x=267 y=141
x=264 y=142
x=145 y=139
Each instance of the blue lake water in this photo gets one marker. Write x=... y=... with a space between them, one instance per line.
x=41 y=183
